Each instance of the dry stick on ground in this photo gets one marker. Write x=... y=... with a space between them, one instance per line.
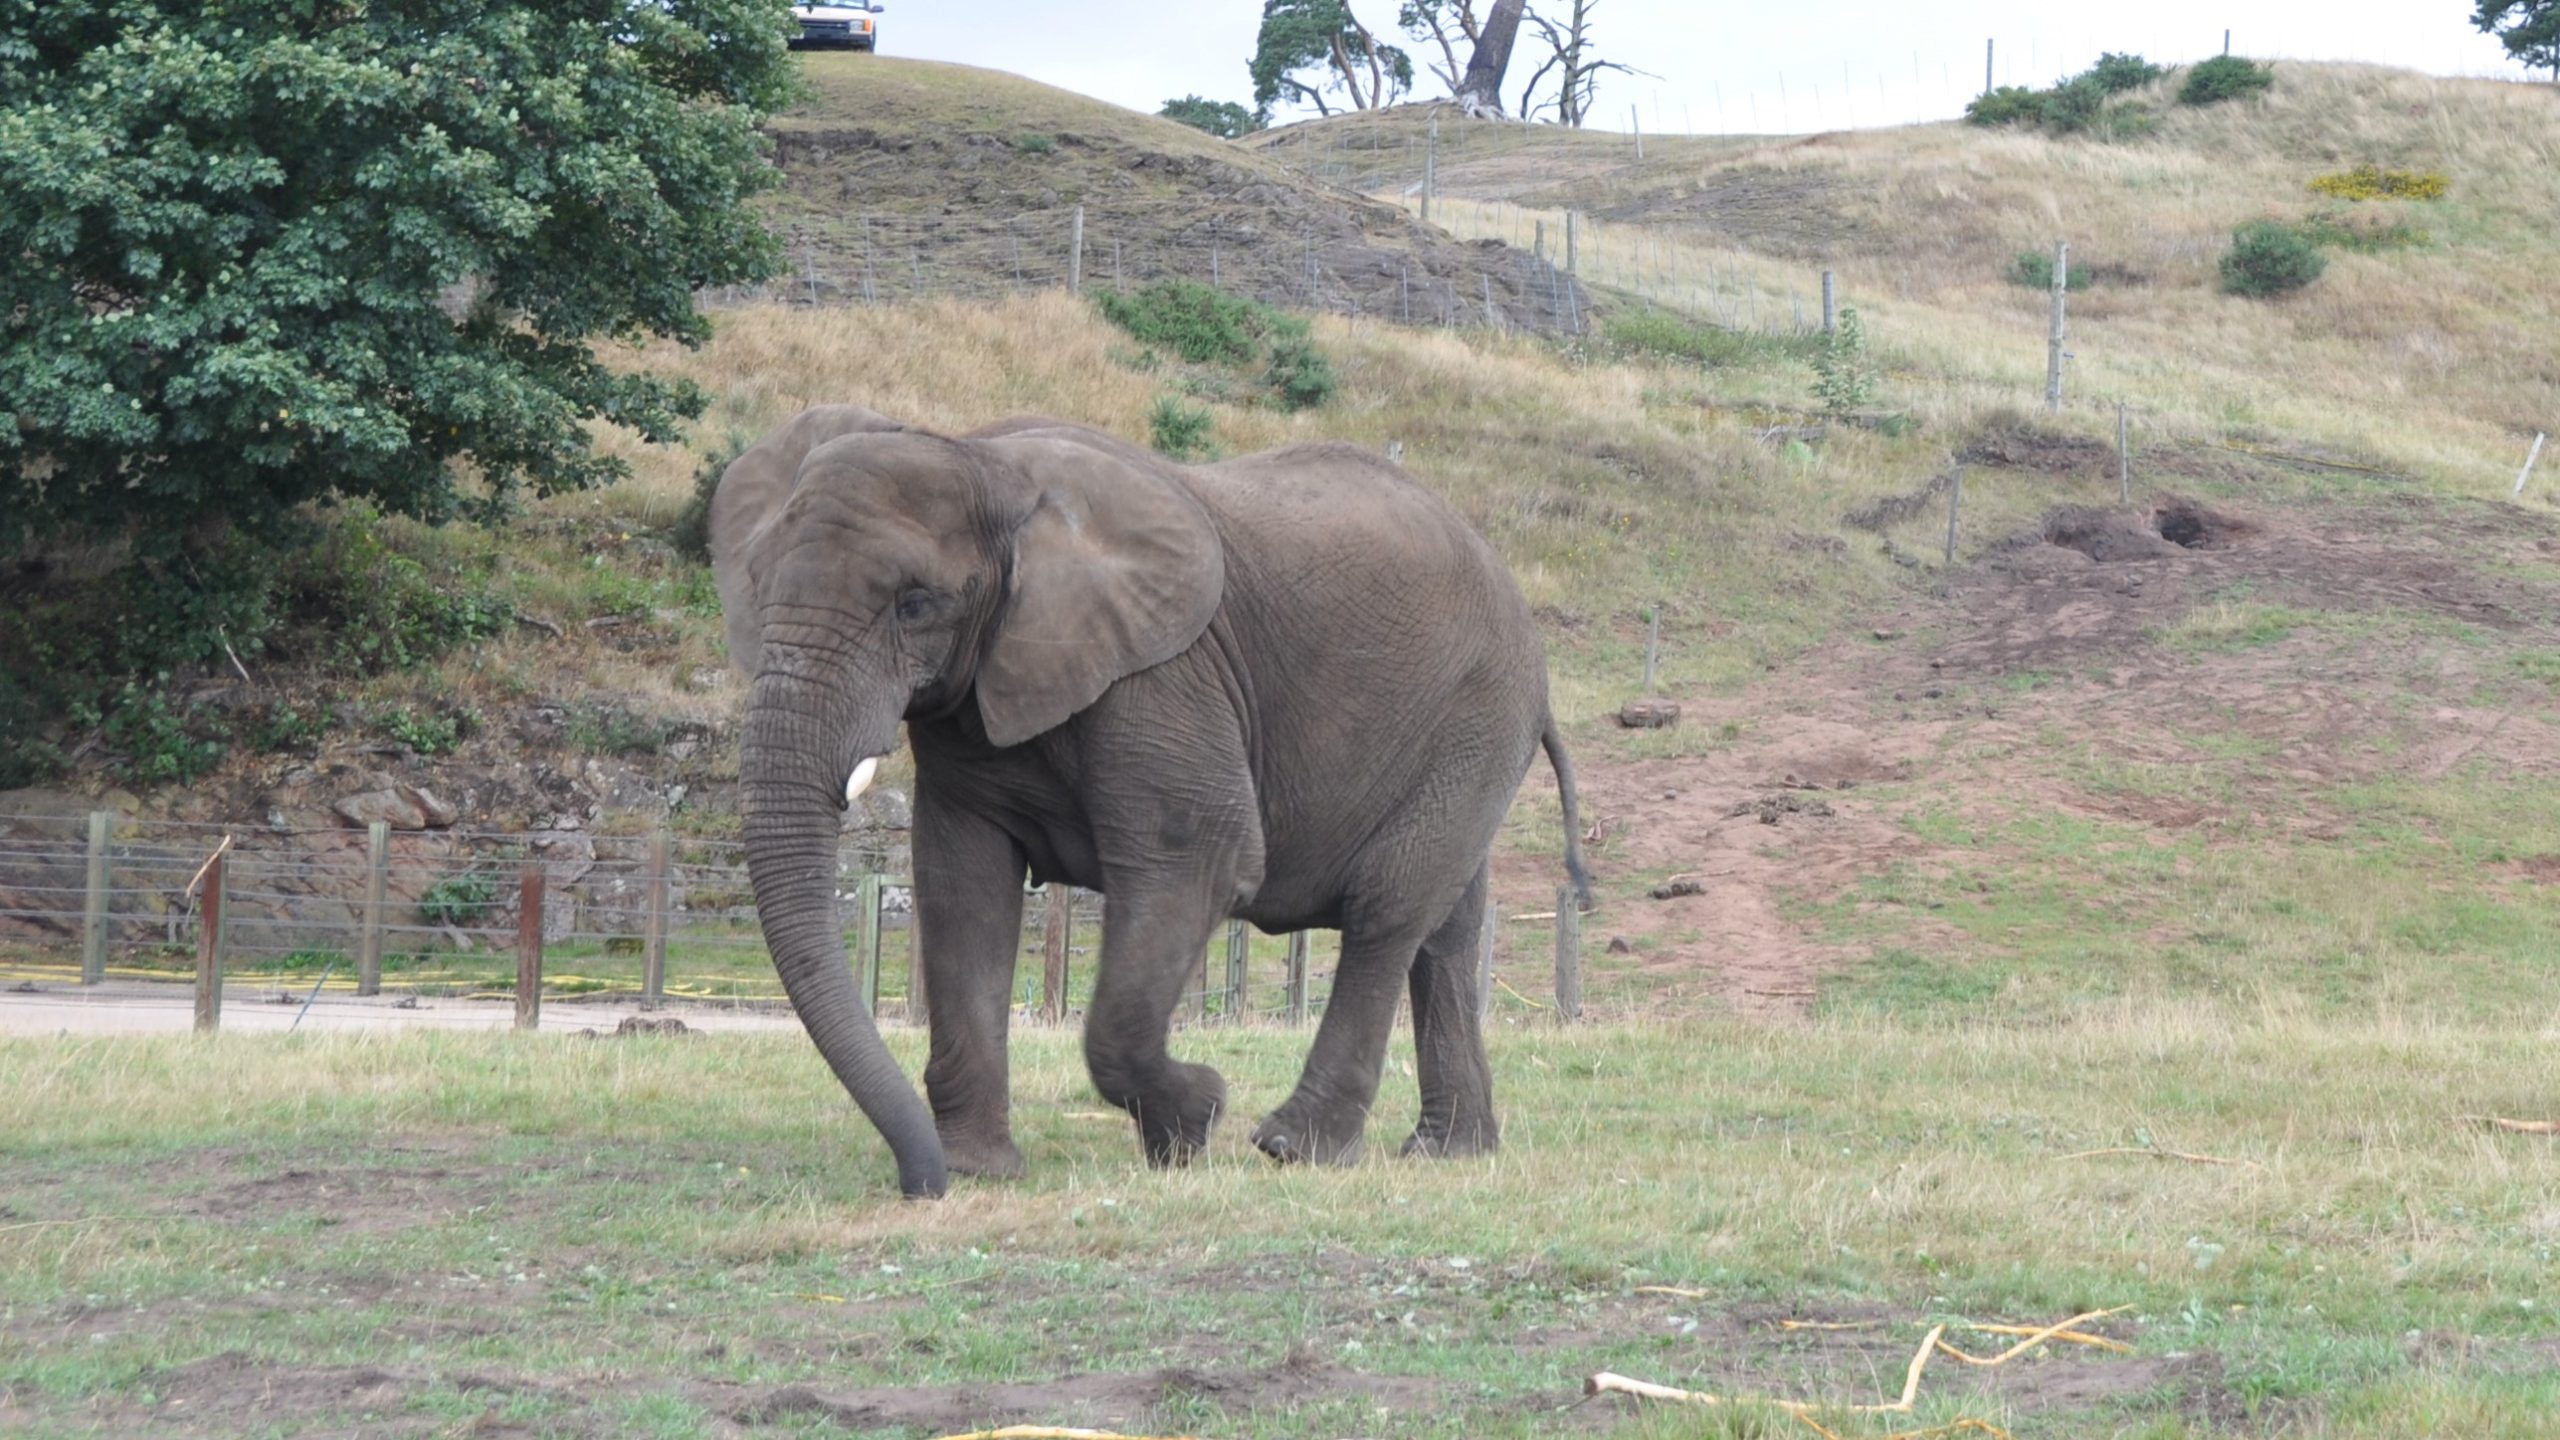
x=2514 y=1127
x=2159 y=1154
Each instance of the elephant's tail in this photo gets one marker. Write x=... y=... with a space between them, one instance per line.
x=1563 y=763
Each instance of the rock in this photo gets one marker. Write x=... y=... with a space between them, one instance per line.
x=401 y=806
x=1677 y=887
x=1649 y=713
x=1618 y=946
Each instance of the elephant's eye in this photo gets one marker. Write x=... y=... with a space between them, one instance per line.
x=917 y=605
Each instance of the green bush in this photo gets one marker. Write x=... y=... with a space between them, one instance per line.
x=1198 y=322
x=2116 y=74
x=458 y=900
x=608 y=728
x=1034 y=143
x=2074 y=106
x=1299 y=371
x=2269 y=257
x=1179 y=430
x=691 y=533
x=1844 y=376
x=427 y=733
x=284 y=726
x=158 y=741
x=1223 y=118
x=2008 y=105
x=2225 y=77
x=2034 y=269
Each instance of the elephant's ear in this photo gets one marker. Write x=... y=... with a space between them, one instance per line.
x=750 y=495
x=1115 y=568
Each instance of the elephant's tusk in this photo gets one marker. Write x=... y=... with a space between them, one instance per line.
x=860 y=779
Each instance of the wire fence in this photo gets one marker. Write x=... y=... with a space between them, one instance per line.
x=653 y=915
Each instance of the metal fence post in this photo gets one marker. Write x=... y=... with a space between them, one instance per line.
x=1297 y=977
x=653 y=944
x=529 y=888
x=1568 y=956
x=1239 y=951
x=1075 y=255
x=2053 y=339
x=1830 y=303
x=93 y=918
x=377 y=884
x=209 y=905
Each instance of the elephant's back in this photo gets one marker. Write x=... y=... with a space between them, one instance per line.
x=1346 y=516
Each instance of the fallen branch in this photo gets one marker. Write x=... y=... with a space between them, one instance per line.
x=2159 y=1154
x=2515 y=1127
x=1533 y=915
x=2071 y=1337
x=1829 y=1324
x=2037 y=1337
x=1516 y=995
x=1647 y=1390
x=1676 y=1291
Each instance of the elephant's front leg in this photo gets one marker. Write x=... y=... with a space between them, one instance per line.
x=1154 y=934
x=968 y=938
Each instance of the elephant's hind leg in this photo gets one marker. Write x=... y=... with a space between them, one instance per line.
x=1448 y=1036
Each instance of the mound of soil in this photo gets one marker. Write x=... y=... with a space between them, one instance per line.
x=2112 y=535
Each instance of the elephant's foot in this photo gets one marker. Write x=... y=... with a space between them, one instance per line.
x=994 y=1158
x=1302 y=1134
x=1455 y=1140
x=1174 y=1117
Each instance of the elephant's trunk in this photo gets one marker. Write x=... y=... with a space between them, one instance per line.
x=797 y=748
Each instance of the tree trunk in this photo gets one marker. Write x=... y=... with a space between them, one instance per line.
x=1480 y=94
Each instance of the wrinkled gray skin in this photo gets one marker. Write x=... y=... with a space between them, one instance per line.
x=1293 y=687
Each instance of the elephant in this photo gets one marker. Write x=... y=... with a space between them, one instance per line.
x=1293 y=688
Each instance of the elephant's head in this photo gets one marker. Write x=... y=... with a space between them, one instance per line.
x=872 y=574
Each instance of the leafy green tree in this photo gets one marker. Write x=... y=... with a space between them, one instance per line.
x=1324 y=37
x=2530 y=29
x=1223 y=118
x=259 y=254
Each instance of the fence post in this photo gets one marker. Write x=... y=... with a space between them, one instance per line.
x=1987 y=47
x=1430 y=167
x=1239 y=951
x=529 y=888
x=653 y=944
x=2529 y=457
x=1635 y=122
x=1652 y=644
x=377 y=883
x=867 y=903
x=93 y=918
x=2053 y=341
x=1830 y=304
x=1484 y=955
x=2124 y=458
x=1572 y=242
x=1297 y=977
x=209 y=905
x=1075 y=256
x=1053 y=952
x=1568 y=956
x=1955 y=504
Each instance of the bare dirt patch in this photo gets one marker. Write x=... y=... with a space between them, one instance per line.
x=2394 y=632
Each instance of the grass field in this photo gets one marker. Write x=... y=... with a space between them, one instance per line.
x=464 y=1234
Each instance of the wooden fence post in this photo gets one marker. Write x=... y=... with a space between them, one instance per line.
x=1200 y=997
x=1431 y=167
x=1955 y=506
x=209 y=904
x=2053 y=339
x=2530 y=456
x=867 y=939
x=93 y=915
x=1635 y=123
x=1652 y=644
x=1239 y=951
x=653 y=932
x=1572 y=242
x=1484 y=955
x=1075 y=256
x=529 y=888
x=2124 y=458
x=1297 y=977
x=1830 y=303
x=1054 y=945
x=377 y=885
x=1568 y=956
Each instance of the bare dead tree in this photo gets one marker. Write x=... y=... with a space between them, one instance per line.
x=1573 y=60
x=1445 y=24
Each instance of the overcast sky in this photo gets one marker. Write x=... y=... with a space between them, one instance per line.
x=1724 y=67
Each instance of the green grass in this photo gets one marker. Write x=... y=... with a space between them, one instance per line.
x=651 y=1236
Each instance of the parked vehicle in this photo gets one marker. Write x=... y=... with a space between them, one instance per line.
x=837 y=27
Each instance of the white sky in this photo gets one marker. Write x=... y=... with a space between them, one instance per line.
x=1730 y=67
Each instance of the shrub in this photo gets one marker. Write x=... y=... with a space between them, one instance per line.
x=1222 y=118
x=2373 y=182
x=1843 y=374
x=607 y=728
x=2225 y=77
x=2034 y=269
x=159 y=741
x=1179 y=430
x=1198 y=322
x=691 y=533
x=1299 y=371
x=426 y=733
x=458 y=900
x=2269 y=257
x=1034 y=143
x=2073 y=106
x=2114 y=74
x=284 y=726
x=2008 y=105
